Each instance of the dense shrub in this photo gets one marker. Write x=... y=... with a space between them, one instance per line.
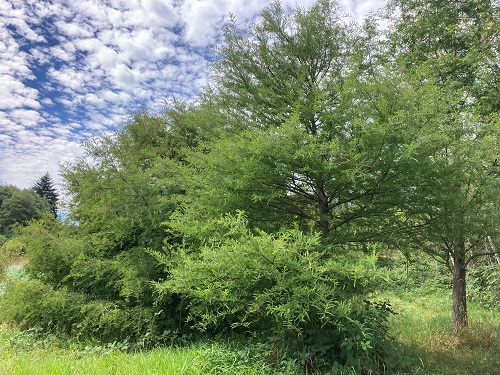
x=307 y=301
x=51 y=249
x=34 y=304
x=9 y=250
x=70 y=290
x=108 y=321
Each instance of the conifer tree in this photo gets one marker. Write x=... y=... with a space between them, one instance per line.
x=44 y=187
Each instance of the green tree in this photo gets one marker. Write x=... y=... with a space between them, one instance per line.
x=457 y=40
x=129 y=183
x=327 y=134
x=455 y=44
x=454 y=214
x=98 y=265
x=121 y=191
x=44 y=187
x=19 y=206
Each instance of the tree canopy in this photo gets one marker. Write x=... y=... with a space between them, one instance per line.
x=456 y=45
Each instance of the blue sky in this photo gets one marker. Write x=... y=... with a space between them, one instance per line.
x=70 y=69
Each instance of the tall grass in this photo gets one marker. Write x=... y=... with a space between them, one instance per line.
x=423 y=326
x=22 y=354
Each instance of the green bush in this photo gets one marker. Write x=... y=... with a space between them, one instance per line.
x=34 y=304
x=125 y=277
x=308 y=302
x=484 y=285
x=70 y=290
x=107 y=322
x=51 y=249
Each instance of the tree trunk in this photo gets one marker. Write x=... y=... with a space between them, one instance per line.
x=460 y=319
x=494 y=249
x=324 y=209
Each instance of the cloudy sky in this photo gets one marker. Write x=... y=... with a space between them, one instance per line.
x=73 y=68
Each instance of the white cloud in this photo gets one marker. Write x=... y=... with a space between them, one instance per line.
x=15 y=94
x=33 y=159
x=73 y=29
x=27 y=118
x=201 y=18
x=64 y=52
x=69 y=78
x=106 y=57
x=361 y=8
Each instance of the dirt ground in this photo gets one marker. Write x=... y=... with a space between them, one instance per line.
x=18 y=262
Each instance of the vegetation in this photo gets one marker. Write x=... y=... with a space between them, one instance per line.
x=264 y=228
x=418 y=292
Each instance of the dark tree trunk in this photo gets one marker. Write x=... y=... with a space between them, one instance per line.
x=459 y=319
x=324 y=209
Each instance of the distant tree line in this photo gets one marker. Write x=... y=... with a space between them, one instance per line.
x=19 y=206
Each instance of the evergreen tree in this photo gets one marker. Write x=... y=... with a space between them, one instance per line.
x=44 y=187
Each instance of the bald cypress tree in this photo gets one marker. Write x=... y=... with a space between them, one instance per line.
x=44 y=187
x=455 y=44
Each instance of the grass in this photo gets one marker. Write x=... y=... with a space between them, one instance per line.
x=37 y=359
x=50 y=361
x=423 y=326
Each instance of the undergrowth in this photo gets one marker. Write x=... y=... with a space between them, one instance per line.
x=418 y=294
